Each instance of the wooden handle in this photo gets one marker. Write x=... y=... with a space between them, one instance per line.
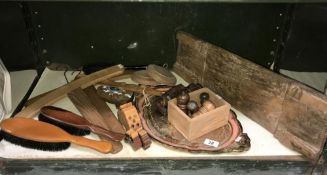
x=34 y=99
x=57 y=94
x=101 y=146
x=106 y=133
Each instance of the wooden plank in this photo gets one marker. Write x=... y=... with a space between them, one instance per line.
x=303 y=121
x=89 y=111
x=294 y=113
x=101 y=106
x=35 y=98
x=53 y=96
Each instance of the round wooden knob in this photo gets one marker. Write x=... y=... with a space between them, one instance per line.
x=208 y=105
x=182 y=100
x=192 y=106
x=203 y=97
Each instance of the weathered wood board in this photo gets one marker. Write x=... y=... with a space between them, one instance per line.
x=294 y=113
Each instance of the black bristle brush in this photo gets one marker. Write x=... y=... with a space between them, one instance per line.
x=44 y=146
x=74 y=123
x=43 y=136
x=68 y=128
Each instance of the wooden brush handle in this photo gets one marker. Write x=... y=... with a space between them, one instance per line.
x=101 y=146
x=106 y=133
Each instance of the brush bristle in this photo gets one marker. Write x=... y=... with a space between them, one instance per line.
x=70 y=129
x=45 y=146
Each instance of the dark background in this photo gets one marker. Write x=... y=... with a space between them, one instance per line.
x=33 y=34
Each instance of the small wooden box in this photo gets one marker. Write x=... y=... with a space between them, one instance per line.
x=192 y=128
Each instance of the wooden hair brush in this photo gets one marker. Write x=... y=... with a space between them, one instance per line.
x=74 y=124
x=43 y=136
x=71 y=129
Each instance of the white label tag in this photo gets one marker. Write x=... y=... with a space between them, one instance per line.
x=211 y=143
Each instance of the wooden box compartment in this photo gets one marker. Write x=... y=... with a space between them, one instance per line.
x=192 y=128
